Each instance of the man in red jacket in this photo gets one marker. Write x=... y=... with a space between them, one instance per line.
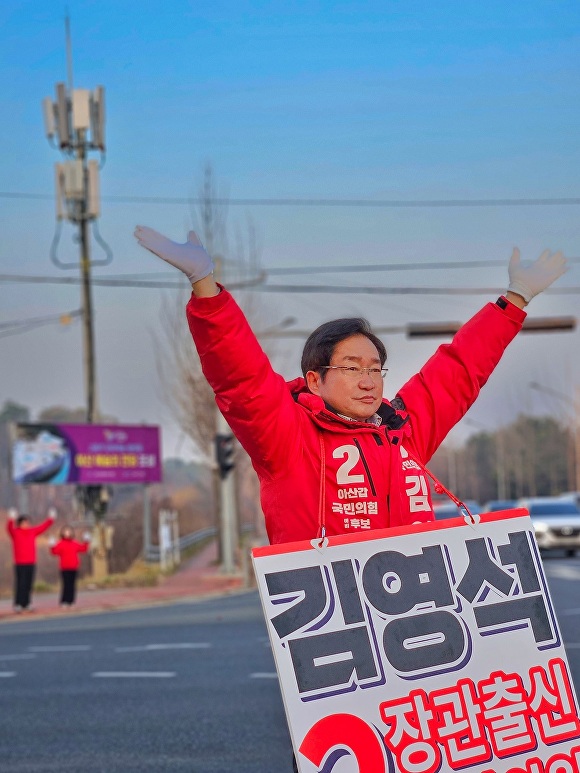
x=23 y=536
x=332 y=455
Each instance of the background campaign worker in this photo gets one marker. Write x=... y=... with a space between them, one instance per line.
x=332 y=455
x=68 y=551
x=23 y=536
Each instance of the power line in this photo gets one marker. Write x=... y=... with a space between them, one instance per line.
x=449 y=264
x=308 y=270
x=320 y=202
x=14 y=327
x=71 y=280
x=374 y=290
x=154 y=279
x=259 y=286
x=114 y=282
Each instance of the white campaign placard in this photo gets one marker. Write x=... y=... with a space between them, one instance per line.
x=420 y=649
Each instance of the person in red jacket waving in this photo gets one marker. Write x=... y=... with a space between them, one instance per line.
x=68 y=550
x=23 y=536
x=333 y=456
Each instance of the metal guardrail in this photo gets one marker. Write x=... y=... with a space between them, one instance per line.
x=154 y=553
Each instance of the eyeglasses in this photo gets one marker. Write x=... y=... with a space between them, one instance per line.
x=355 y=373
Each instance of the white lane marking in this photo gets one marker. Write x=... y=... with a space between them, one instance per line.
x=158 y=647
x=264 y=675
x=17 y=657
x=63 y=648
x=133 y=674
x=7 y=674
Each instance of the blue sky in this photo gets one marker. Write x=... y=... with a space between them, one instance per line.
x=366 y=100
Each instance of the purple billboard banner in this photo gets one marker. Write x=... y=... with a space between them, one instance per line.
x=86 y=454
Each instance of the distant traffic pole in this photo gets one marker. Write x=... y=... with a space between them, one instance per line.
x=224 y=447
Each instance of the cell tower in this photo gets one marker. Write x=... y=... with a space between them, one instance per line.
x=75 y=124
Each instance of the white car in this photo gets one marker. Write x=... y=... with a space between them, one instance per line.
x=556 y=521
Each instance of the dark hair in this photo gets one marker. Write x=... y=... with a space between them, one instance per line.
x=21 y=518
x=319 y=347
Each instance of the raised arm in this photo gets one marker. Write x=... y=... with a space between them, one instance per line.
x=528 y=280
x=191 y=258
x=82 y=547
x=449 y=383
x=46 y=524
x=11 y=520
x=253 y=398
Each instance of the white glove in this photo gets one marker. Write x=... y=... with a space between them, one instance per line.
x=191 y=257
x=52 y=513
x=13 y=513
x=86 y=536
x=52 y=541
x=530 y=279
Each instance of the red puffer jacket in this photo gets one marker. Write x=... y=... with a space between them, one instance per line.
x=68 y=551
x=24 y=540
x=318 y=469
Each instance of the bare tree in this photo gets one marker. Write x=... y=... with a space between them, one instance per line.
x=186 y=391
x=528 y=457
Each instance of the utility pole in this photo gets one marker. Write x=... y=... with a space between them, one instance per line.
x=75 y=124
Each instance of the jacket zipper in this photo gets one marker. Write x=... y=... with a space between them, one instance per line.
x=365 y=465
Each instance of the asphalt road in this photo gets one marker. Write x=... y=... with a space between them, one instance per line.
x=187 y=687
x=564 y=581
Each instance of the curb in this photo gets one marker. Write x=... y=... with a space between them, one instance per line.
x=45 y=614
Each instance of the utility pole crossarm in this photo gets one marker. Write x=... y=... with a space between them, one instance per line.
x=439 y=329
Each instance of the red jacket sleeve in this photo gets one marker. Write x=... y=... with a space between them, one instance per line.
x=252 y=397
x=42 y=527
x=447 y=385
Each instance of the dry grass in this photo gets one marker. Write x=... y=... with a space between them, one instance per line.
x=139 y=575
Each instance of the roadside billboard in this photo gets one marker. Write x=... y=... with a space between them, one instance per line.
x=85 y=454
x=427 y=648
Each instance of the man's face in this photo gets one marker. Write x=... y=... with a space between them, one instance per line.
x=357 y=397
